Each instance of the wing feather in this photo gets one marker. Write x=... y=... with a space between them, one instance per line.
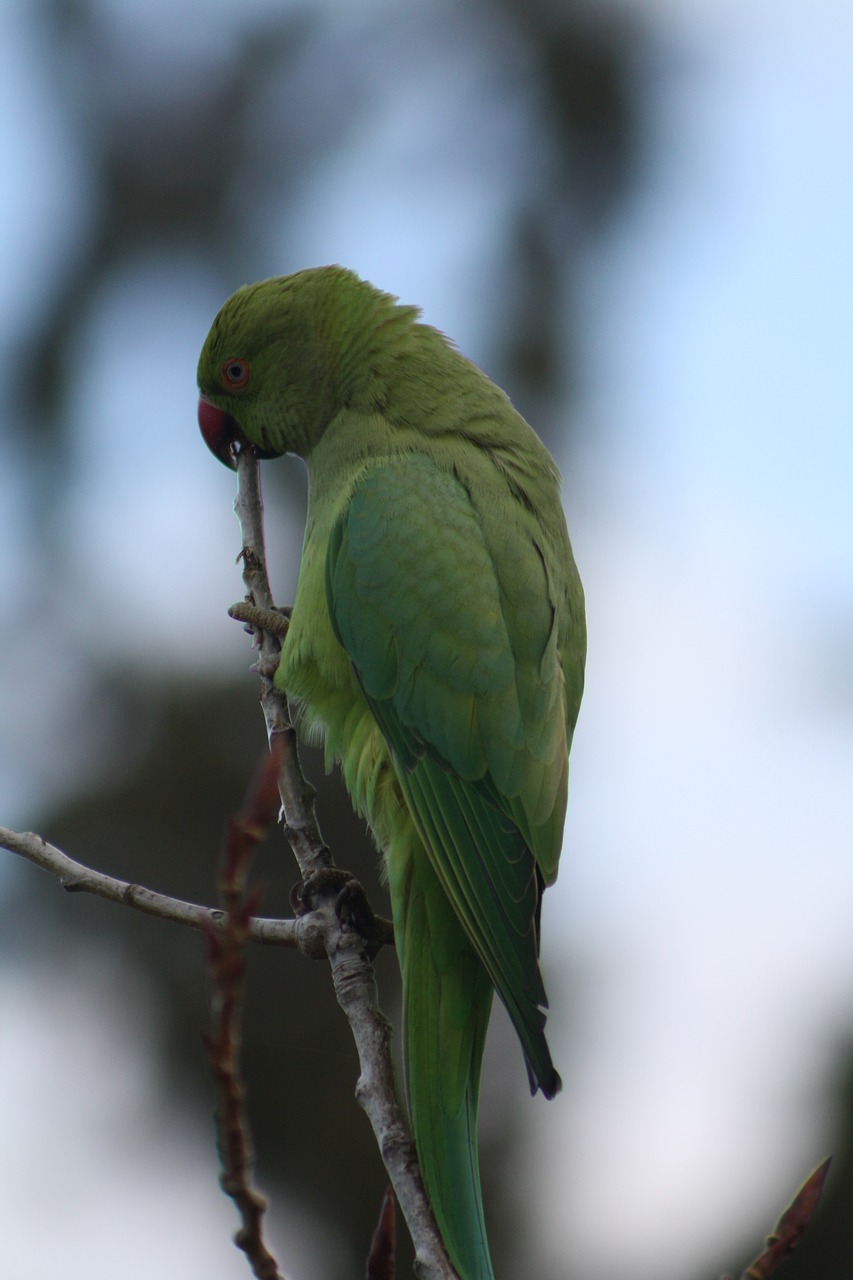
x=458 y=663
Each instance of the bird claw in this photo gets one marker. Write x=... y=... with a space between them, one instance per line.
x=350 y=902
x=274 y=621
x=325 y=883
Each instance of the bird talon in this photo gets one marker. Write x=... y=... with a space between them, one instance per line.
x=274 y=621
x=325 y=883
x=351 y=905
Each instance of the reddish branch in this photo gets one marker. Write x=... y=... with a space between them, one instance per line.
x=227 y=947
x=789 y=1230
x=381 y=1260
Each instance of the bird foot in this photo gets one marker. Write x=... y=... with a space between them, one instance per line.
x=350 y=903
x=274 y=621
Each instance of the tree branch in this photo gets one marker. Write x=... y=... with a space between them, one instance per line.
x=75 y=877
x=327 y=897
x=297 y=793
x=790 y=1228
x=227 y=952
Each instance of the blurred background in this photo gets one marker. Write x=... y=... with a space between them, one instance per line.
x=635 y=215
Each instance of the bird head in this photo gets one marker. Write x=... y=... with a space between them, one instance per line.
x=283 y=357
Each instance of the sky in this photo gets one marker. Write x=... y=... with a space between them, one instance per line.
x=709 y=506
x=720 y=752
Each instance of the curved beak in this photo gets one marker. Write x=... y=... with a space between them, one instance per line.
x=220 y=432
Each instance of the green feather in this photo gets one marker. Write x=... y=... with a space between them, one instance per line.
x=436 y=644
x=446 y=999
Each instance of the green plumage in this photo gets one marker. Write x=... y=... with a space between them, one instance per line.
x=436 y=644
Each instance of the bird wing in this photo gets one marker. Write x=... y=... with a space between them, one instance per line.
x=454 y=644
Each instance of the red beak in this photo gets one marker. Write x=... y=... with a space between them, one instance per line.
x=220 y=432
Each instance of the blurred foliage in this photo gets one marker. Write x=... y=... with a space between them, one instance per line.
x=178 y=152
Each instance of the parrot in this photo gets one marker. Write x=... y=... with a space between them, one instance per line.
x=436 y=646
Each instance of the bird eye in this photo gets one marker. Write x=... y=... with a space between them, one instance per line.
x=236 y=373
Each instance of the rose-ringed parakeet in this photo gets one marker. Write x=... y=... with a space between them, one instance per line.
x=436 y=644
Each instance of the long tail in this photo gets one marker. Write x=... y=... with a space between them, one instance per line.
x=446 y=1004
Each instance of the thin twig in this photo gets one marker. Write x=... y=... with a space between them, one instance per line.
x=382 y=1258
x=75 y=877
x=352 y=971
x=790 y=1228
x=297 y=793
x=228 y=969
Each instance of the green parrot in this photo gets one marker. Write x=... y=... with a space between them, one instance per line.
x=436 y=645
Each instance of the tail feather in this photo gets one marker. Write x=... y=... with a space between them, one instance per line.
x=446 y=1004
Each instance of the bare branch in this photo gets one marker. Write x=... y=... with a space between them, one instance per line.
x=228 y=971
x=75 y=877
x=297 y=794
x=327 y=898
